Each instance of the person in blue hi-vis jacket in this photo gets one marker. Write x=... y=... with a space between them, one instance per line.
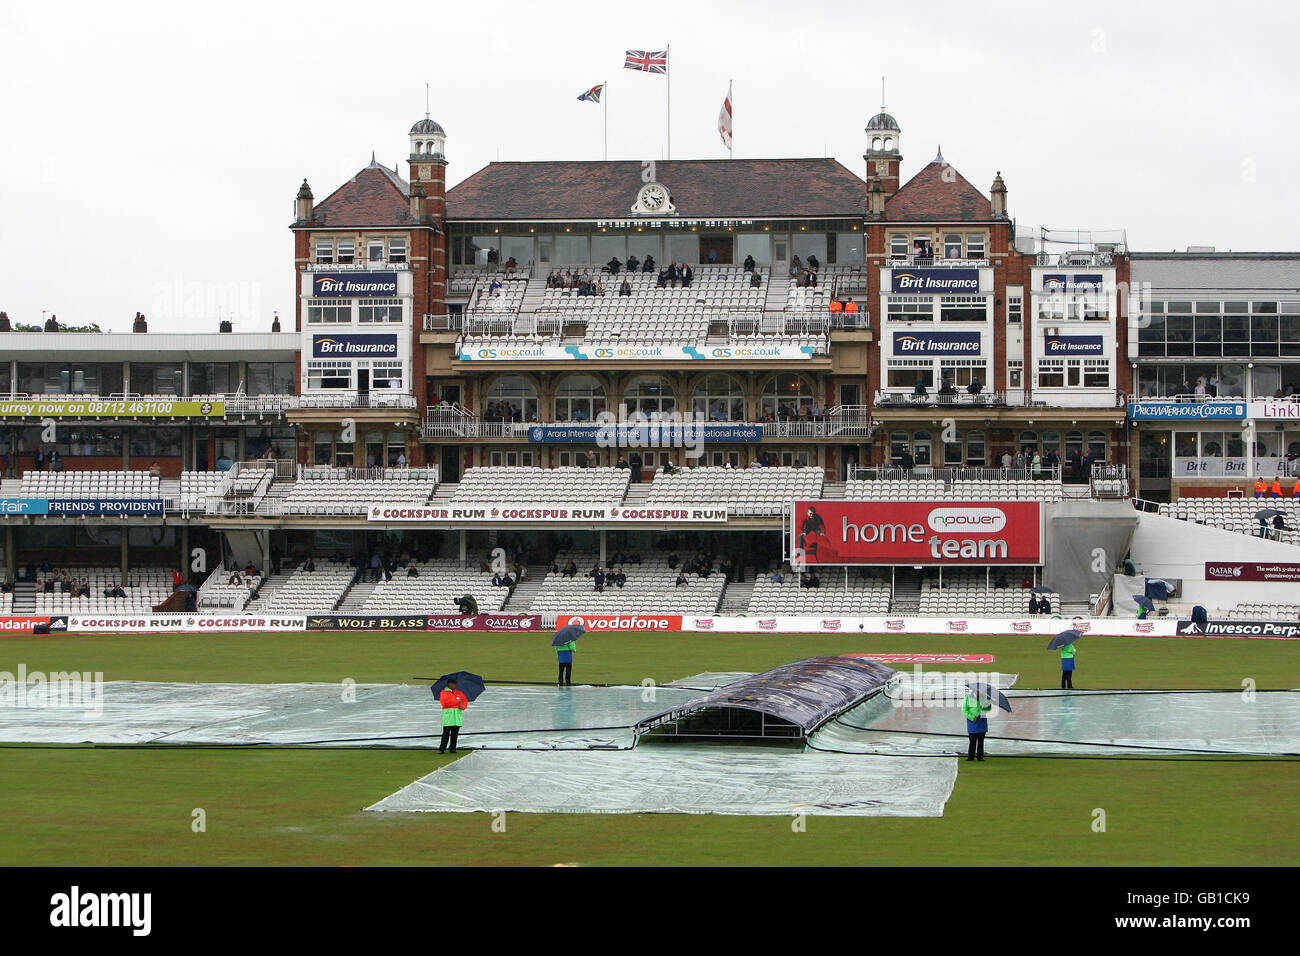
x=977 y=724
x=1067 y=666
x=564 y=654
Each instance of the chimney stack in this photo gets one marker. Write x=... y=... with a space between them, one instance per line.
x=998 y=197
x=302 y=206
x=139 y=325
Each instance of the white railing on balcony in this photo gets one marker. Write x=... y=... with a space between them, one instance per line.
x=934 y=262
x=442 y=323
x=383 y=398
x=1001 y=398
x=362 y=265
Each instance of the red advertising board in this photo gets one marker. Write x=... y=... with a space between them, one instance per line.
x=628 y=621
x=917 y=532
x=1248 y=571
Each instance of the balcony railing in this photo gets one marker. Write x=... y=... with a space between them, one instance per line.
x=357 y=265
x=934 y=262
x=378 y=399
x=443 y=323
x=1003 y=398
x=844 y=422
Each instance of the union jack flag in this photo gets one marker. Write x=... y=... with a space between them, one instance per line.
x=647 y=61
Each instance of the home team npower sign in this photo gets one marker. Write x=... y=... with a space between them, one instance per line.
x=918 y=532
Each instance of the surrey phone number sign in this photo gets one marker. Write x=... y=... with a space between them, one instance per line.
x=109 y=408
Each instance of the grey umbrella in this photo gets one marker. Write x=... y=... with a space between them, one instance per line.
x=988 y=690
x=1141 y=600
x=1065 y=637
x=1267 y=513
x=1043 y=589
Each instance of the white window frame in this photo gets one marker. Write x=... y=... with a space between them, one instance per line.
x=369 y=310
x=329 y=311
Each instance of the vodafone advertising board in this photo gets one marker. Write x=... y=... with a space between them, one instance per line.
x=917 y=532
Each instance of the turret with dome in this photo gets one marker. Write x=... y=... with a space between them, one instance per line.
x=882 y=155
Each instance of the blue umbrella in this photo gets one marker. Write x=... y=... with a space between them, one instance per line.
x=1065 y=637
x=471 y=685
x=570 y=632
x=1141 y=600
x=988 y=690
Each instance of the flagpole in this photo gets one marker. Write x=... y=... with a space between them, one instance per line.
x=731 y=140
x=668 y=75
x=604 y=116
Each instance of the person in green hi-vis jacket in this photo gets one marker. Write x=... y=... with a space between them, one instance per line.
x=564 y=654
x=1067 y=667
x=976 y=713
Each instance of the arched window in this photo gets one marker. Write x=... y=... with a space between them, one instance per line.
x=719 y=398
x=1073 y=443
x=1027 y=440
x=511 y=398
x=889 y=142
x=784 y=395
x=579 y=398
x=649 y=395
x=1052 y=442
x=1097 y=446
x=875 y=142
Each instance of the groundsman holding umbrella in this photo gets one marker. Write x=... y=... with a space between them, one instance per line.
x=453 y=710
x=975 y=709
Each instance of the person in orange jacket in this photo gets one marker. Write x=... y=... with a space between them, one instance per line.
x=1260 y=488
x=453 y=707
x=1277 y=487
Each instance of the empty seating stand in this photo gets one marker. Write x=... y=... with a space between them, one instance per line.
x=90 y=484
x=537 y=485
x=310 y=592
x=860 y=597
x=331 y=491
x=651 y=588
x=434 y=590
x=1238 y=514
x=967 y=592
x=748 y=491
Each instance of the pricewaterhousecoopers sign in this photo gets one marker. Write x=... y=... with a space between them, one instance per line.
x=1186 y=411
x=934 y=280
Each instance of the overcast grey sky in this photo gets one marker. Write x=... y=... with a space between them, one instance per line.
x=151 y=152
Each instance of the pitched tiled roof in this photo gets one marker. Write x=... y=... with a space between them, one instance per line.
x=938 y=192
x=712 y=188
x=376 y=196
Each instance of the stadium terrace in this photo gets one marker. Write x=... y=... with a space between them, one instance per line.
x=658 y=371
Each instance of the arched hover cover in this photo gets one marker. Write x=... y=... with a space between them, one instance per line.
x=788 y=702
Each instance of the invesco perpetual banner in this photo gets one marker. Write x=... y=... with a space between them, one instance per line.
x=325 y=345
x=109 y=408
x=934 y=280
x=917 y=532
x=360 y=285
x=936 y=343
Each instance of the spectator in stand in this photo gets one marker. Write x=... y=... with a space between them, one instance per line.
x=156 y=470
x=687 y=275
x=1033 y=604
x=749 y=264
x=570 y=569
x=376 y=563
x=620 y=577
x=613 y=265
x=649 y=265
x=813 y=263
x=625 y=288
x=598 y=577
x=633 y=263
x=250 y=569
x=511 y=265
x=177 y=579
x=755 y=280
x=1044 y=605
x=681 y=579
x=309 y=564
x=552 y=568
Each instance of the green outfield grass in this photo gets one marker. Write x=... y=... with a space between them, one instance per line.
x=93 y=806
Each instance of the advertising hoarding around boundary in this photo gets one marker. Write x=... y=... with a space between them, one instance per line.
x=923 y=533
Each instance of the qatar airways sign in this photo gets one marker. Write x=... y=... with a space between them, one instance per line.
x=917 y=532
